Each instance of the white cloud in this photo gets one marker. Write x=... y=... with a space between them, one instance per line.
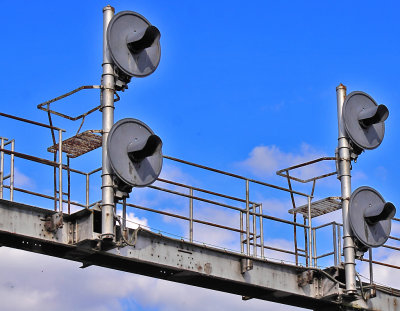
x=381 y=172
x=37 y=282
x=133 y=221
x=277 y=255
x=73 y=208
x=176 y=297
x=383 y=275
x=277 y=207
x=395 y=230
x=21 y=180
x=206 y=234
x=172 y=172
x=264 y=161
x=150 y=197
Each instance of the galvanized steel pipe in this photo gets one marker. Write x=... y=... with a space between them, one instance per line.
x=261 y=231
x=87 y=190
x=60 y=172
x=12 y=171
x=247 y=218
x=310 y=249
x=191 y=216
x=344 y=162
x=107 y=108
x=2 y=167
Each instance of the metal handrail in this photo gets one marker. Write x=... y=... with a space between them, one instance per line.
x=84 y=87
x=280 y=172
x=253 y=232
x=30 y=121
x=250 y=212
x=235 y=176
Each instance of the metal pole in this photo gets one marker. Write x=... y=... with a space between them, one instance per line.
x=241 y=233
x=305 y=240
x=345 y=180
x=107 y=108
x=87 y=190
x=339 y=241
x=12 y=171
x=296 y=250
x=69 y=185
x=261 y=231
x=254 y=231
x=315 y=246
x=247 y=218
x=371 y=269
x=124 y=213
x=2 y=167
x=55 y=181
x=60 y=171
x=309 y=232
x=334 y=244
x=191 y=215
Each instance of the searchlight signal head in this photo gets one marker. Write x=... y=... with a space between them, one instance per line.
x=370 y=218
x=364 y=121
x=135 y=155
x=134 y=46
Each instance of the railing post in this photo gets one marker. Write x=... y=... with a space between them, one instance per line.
x=60 y=172
x=371 y=269
x=261 y=231
x=339 y=241
x=296 y=249
x=247 y=218
x=254 y=231
x=124 y=214
x=241 y=233
x=69 y=186
x=306 y=241
x=191 y=215
x=334 y=244
x=2 y=167
x=87 y=190
x=12 y=171
x=55 y=180
x=310 y=248
x=315 y=247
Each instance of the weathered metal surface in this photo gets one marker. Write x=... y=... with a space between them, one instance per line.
x=22 y=226
x=319 y=207
x=53 y=222
x=30 y=221
x=343 y=164
x=79 y=144
x=46 y=105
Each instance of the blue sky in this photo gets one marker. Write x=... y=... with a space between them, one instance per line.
x=247 y=87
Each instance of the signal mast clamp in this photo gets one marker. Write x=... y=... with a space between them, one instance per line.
x=132 y=157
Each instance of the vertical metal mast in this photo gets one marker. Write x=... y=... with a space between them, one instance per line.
x=107 y=106
x=344 y=175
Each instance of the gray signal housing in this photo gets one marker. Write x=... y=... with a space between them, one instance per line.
x=370 y=216
x=364 y=121
x=134 y=44
x=135 y=153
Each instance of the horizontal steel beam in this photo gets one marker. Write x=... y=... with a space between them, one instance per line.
x=26 y=227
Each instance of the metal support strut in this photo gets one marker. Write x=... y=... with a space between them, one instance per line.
x=107 y=108
x=344 y=163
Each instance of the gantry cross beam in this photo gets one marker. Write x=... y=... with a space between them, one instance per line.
x=34 y=229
